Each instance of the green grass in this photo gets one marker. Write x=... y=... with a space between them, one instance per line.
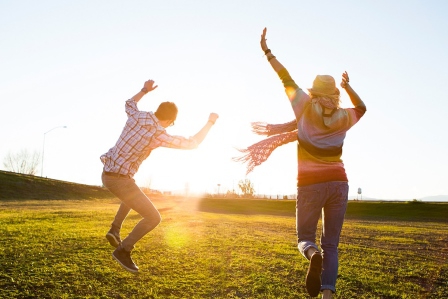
x=15 y=186
x=364 y=210
x=216 y=248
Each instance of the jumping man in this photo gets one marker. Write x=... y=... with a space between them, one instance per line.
x=143 y=132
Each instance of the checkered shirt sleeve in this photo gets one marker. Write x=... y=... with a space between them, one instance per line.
x=141 y=134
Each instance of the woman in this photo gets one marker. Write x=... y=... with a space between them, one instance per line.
x=320 y=128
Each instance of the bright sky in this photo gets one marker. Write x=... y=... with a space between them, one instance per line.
x=75 y=63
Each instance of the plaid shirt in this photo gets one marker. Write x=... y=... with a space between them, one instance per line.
x=141 y=134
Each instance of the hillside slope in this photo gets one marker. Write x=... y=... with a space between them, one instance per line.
x=20 y=186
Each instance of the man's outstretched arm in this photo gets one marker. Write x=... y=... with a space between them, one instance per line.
x=200 y=136
x=131 y=104
x=180 y=142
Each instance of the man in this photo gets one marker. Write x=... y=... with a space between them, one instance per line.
x=143 y=132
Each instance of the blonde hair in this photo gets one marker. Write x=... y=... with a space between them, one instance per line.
x=334 y=99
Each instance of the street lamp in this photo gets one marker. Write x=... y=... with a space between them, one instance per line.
x=43 y=149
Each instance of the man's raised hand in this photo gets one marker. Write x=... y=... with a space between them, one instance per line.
x=213 y=117
x=149 y=85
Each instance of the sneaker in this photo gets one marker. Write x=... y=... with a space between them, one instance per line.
x=113 y=236
x=123 y=257
x=313 y=280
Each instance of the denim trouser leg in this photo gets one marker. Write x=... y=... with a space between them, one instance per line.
x=331 y=198
x=133 y=198
x=308 y=211
x=122 y=212
x=332 y=220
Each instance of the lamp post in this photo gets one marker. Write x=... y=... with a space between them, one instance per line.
x=43 y=149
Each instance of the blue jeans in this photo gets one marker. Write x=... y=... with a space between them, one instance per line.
x=330 y=199
x=132 y=198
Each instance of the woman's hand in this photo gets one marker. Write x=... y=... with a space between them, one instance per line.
x=345 y=80
x=354 y=97
x=263 y=44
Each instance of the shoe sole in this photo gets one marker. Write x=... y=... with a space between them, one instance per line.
x=124 y=267
x=112 y=240
x=313 y=279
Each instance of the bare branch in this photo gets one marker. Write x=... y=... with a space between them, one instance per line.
x=22 y=162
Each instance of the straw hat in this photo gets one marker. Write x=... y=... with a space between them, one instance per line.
x=324 y=85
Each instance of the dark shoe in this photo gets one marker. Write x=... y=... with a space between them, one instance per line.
x=123 y=257
x=113 y=236
x=313 y=280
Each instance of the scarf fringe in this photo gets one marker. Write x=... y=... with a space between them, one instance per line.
x=262 y=128
x=281 y=134
x=259 y=152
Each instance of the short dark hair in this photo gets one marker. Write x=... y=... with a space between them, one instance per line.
x=166 y=111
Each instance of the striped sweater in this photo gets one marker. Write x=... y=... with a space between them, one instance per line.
x=320 y=138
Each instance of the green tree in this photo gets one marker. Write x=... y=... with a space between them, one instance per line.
x=247 y=188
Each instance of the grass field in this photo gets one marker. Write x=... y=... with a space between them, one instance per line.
x=216 y=248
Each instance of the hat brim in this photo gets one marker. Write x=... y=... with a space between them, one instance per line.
x=321 y=94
